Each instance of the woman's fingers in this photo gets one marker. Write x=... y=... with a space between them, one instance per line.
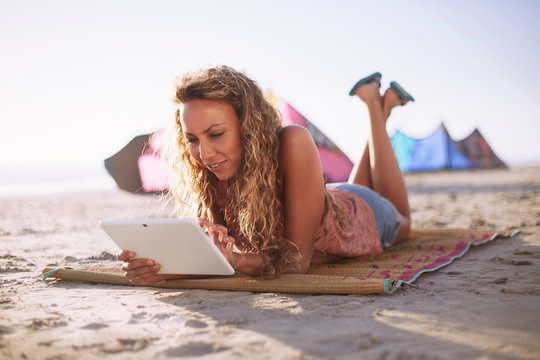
x=226 y=247
x=143 y=271
x=212 y=227
x=216 y=232
x=125 y=255
x=221 y=229
x=139 y=271
x=229 y=244
x=204 y=222
x=220 y=235
x=228 y=241
x=137 y=263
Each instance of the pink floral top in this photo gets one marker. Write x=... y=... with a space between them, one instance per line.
x=358 y=237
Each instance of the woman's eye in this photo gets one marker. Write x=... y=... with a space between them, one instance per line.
x=215 y=135
x=192 y=140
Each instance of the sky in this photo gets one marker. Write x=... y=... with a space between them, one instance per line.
x=79 y=79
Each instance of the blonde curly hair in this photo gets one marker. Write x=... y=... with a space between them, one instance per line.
x=256 y=188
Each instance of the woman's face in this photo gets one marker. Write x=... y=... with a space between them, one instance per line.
x=212 y=129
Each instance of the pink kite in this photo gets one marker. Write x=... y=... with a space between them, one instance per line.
x=138 y=166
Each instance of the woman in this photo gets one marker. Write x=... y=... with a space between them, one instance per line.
x=258 y=187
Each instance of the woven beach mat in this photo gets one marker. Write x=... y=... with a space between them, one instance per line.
x=424 y=251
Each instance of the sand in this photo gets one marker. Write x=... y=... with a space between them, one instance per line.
x=483 y=306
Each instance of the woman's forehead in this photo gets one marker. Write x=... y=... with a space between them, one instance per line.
x=201 y=112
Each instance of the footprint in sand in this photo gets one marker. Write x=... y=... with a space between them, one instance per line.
x=46 y=343
x=135 y=318
x=196 y=324
x=122 y=345
x=94 y=326
x=404 y=354
x=195 y=349
x=12 y=257
x=5 y=330
x=522 y=252
x=12 y=264
x=520 y=262
x=103 y=256
x=365 y=342
x=70 y=259
x=353 y=341
x=38 y=324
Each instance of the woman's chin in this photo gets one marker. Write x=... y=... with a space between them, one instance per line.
x=225 y=176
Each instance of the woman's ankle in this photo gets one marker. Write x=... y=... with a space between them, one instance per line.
x=369 y=93
x=390 y=101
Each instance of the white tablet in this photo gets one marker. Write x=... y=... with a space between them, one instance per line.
x=178 y=245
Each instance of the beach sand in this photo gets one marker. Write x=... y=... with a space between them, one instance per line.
x=483 y=306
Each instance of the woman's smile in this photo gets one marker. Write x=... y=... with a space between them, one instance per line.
x=216 y=166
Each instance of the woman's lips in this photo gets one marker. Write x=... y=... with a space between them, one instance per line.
x=216 y=166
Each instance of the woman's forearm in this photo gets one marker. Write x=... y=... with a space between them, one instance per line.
x=249 y=264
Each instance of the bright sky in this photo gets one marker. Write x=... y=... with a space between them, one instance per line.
x=79 y=79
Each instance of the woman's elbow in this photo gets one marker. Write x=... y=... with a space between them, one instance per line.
x=303 y=269
x=303 y=265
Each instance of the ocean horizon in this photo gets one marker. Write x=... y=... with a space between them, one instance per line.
x=28 y=180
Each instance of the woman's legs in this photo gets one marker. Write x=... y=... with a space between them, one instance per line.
x=361 y=172
x=378 y=168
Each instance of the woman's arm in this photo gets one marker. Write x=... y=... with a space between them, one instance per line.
x=303 y=190
x=246 y=263
x=249 y=264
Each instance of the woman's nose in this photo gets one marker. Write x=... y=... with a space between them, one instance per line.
x=205 y=151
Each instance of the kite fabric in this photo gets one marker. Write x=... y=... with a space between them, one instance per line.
x=439 y=151
x=138 y=166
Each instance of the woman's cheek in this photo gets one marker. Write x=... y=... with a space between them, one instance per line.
x=194 y=152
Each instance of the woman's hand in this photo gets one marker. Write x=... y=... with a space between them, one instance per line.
x=225 y=243
x=139 y=271
x=249 y=264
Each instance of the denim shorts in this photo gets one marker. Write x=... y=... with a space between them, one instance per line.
x=386 y=216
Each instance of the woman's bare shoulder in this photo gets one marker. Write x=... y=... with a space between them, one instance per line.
x=294 y=135
x=297 y=148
